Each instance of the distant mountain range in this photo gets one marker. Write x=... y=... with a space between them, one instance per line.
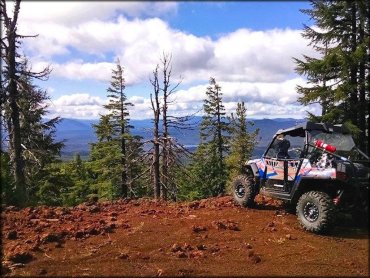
x=78 y=134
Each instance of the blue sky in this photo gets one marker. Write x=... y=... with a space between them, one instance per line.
x=247 y=46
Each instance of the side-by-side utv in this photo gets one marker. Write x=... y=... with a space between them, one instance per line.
x=314 y=166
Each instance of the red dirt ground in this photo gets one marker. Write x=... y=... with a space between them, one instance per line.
x=211 y=237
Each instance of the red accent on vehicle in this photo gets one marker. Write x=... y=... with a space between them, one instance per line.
x=336 y=200
x=323 y=145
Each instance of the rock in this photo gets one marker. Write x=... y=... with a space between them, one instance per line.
x=214 y=249
x=181 y=254
x=12 y=235
x=113 y=214
x=250 y=253
x=255 y=259
x=196 y=254
x=197 y=229
x=290 y=237
x=201 y=247
x=123 y=256
x=226 y=225
x=51 y=237
x=187 y=247
x=113 y=219
x=22 y=257
x=79 y=234
x=94 y=209
x=271 y=224
x=248 y=246
x=175 y=247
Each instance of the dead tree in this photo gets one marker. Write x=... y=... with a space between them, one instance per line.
x=156 y=154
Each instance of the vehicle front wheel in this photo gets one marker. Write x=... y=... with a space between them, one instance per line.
x=243 y=190
x=316 y=211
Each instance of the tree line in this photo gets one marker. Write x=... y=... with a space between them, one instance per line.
x=121 y=165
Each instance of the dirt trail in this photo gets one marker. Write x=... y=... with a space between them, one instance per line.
x=211 y=237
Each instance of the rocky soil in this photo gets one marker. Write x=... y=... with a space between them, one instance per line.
x=212 y=237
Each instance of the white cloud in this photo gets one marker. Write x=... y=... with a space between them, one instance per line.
x=80 y=106
x=254 y=66
x=78 y=70
x=262 y=100
x=243 y=55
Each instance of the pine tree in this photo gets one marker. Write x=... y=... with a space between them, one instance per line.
x=115 y=159
x=207 y=171
x=119 y=117
x=242 y=142
x=339 y=79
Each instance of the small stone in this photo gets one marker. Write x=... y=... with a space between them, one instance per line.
x=248 y=246
x=175 y=248
x=94 y=209
x=250 y=253
x=12 y=235
x=181 y=254
x=21 y=257
x=188 y=247
x=197 y=229
x=290 y=237
x=201 y=247
x=123 y=256
x=255 y=259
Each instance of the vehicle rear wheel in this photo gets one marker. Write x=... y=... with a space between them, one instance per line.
x=316 y=211
x=243 y=190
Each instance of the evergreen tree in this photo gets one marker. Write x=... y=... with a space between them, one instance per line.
x=115 y=158
x=339 y=78
x=31 y=139
x=207 y=171
x=119 y=117
x=242 y=142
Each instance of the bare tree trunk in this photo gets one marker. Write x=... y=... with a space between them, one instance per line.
x=165 y=150
x=156 y=111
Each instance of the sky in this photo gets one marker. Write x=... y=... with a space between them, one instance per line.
x=248 y=47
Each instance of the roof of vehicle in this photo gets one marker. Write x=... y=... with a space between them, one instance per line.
x=299 y=129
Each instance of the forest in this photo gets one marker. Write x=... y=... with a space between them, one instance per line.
x=121 y=165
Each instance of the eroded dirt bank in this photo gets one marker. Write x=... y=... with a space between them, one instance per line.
x=211 y=237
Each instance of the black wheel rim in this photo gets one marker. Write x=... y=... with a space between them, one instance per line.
x=311 y=212
x=240 y=191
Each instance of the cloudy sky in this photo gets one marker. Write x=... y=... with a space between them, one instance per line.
x=247 y=46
